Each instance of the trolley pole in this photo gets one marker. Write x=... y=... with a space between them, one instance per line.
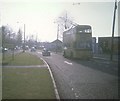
x=111 y=55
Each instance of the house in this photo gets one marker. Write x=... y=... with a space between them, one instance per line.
x=56 y=46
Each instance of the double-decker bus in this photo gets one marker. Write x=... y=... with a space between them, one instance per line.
x=77 y=42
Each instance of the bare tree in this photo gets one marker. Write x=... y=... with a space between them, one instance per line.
x=65 y=22
x=8 y=39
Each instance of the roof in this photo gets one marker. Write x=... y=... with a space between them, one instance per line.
x=57 y=41
x=78 y=26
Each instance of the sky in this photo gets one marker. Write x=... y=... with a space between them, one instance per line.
x=39 y=17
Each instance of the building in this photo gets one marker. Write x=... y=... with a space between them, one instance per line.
x=56 y=46
x=94 y=48
x=104 y=45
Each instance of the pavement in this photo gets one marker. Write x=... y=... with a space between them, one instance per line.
x=106 y=57
x=38 y=66
x=99 y=56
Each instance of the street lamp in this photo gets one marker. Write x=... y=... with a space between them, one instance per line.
x=24 y=40
x=57 y=36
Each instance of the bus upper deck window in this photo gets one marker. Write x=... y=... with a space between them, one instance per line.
x=80 y=31
x=88 y=31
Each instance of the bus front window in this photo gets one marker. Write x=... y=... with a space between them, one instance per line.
x=88 y=31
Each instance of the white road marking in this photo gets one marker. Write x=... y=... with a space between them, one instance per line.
x=48 y=57
x=40 y=52
x=69 y=63
x=76 y=95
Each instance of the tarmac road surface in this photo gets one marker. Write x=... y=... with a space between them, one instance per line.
x=77 y=79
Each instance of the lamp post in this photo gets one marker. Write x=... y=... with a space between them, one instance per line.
x=113 y=27
x=57 y=35
x=57 y=31
x=24 y=40
x=57 y=38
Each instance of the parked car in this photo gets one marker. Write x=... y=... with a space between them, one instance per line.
x=33 y=49
x=46 y=52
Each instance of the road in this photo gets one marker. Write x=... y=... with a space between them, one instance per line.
x=77 y=79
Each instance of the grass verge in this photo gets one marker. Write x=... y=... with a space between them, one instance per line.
x=27 y=83
x=23 y=59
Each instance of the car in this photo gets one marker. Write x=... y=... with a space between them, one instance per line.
x=46 y=52
x=33 y=49
x=4 y=49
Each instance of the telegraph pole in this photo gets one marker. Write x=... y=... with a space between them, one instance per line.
x=57 y=38
x=36 y=42
x=24 y=40
x=66 y=20
x=57 y=31
x=113 y=27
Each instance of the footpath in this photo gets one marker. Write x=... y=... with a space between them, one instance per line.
x=27 y=77
x=102 y=57
x=106 y=57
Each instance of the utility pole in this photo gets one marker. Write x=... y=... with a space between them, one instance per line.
x=13 y=50
x=58 y=32
x=66 y=20
x=36 y=41
x=24 y=40
x=3 y=42
x=113 y=27
x=57 y=38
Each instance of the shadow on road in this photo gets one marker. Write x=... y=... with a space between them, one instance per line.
x=101 y=65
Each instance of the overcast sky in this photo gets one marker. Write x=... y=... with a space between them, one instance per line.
x=39 y=16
